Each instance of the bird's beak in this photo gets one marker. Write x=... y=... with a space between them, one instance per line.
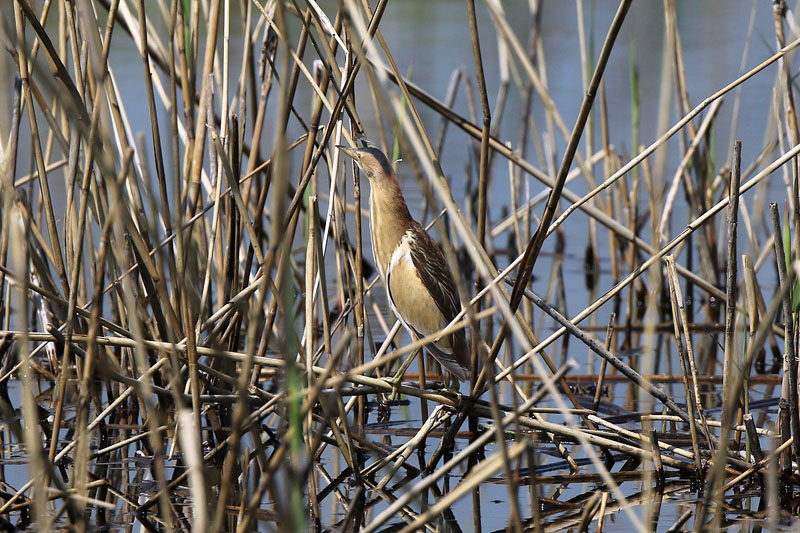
x=348 y=151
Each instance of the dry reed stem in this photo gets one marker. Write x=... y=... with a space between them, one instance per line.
x=730 y=358
x=786 y=281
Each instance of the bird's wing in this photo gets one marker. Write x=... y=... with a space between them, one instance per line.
x=434 y=272
x=423 y=295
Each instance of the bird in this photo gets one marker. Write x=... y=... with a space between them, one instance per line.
x=419 y=284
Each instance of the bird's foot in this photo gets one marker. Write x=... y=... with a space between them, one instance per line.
x=452 y=390
x=397 y=380
x=395 y=383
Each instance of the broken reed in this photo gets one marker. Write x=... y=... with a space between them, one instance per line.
x=172 y=319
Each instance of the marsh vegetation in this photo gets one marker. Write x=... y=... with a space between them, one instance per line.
x=194 y=334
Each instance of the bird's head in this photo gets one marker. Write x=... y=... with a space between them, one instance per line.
x=372 y=161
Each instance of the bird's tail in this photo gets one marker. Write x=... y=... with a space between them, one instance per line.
x=457 y=363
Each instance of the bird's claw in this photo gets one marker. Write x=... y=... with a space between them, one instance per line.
x=452 y=391
x=395 y=383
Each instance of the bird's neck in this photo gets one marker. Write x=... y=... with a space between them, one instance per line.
x=389 y=219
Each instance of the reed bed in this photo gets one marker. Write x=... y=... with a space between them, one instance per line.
x=194 y=335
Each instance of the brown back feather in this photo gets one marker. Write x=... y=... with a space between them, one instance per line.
x=435 y=274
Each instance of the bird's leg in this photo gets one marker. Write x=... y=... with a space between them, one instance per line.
x=454 y=385
x=398 y=377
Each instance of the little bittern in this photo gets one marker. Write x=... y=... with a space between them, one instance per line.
x=418 y=281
